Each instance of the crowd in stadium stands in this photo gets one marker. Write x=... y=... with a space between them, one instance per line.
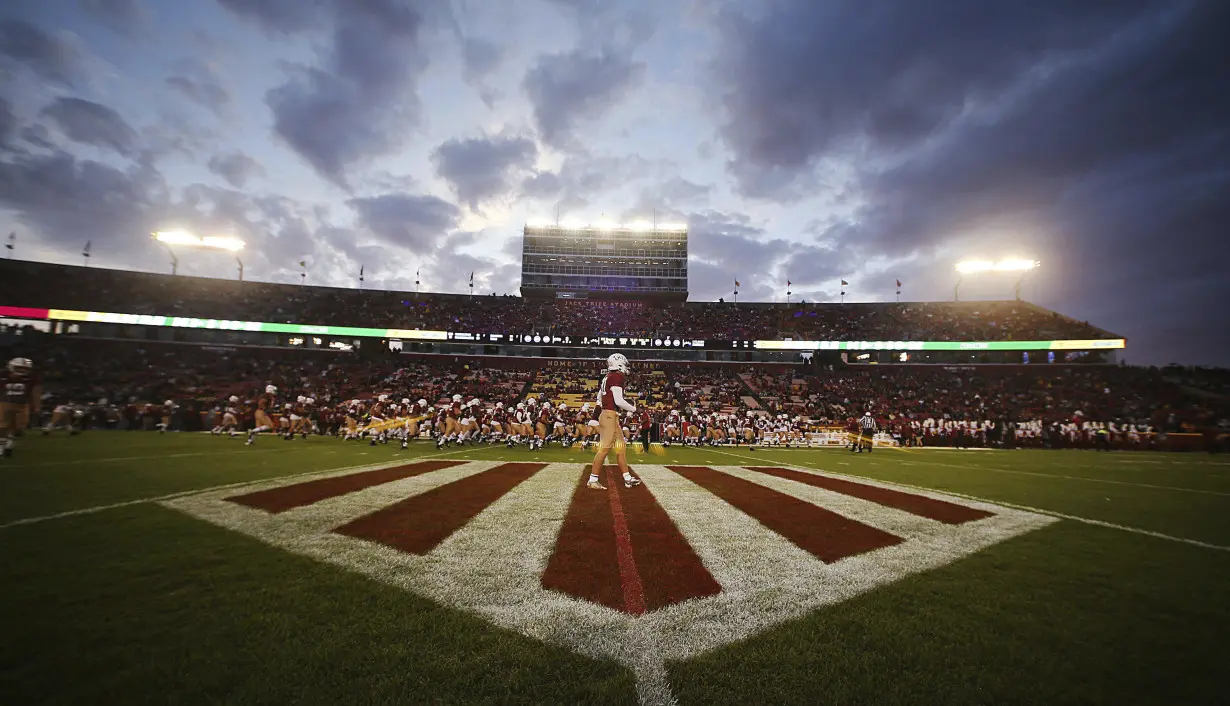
x=38 y=285
x=122 y=384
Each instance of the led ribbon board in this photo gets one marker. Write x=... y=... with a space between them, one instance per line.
x=427 y=335
x=103 y=317
x=1082 y=344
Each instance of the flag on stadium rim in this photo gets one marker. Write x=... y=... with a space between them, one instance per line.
x=303 y=263
x=85 y=252
x=737 y=283
x=898 y=284
x=12 y=241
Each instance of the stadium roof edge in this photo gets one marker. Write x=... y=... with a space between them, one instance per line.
x=17 y=264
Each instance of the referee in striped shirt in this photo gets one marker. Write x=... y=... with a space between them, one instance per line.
x=867 y=425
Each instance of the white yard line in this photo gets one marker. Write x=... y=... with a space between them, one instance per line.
x=241 y=484
x=151 y=457
x=1041 y=511
x=1072 y=478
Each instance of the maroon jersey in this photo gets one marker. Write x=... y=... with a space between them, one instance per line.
x=18 y=389
x=613 y=378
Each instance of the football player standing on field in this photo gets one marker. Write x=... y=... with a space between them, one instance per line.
x=21 y=396
x=610 y=432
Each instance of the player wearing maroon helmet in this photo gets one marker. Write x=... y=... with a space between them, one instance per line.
x=610 y=434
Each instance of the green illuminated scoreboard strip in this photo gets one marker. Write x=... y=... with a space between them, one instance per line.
x=547 y=340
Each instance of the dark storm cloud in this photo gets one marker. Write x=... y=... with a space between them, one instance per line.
x=810 y=77
x=70 y=201
x=544 y=185
x=584 y=177
x=8 y=123
x=482 y=168
x=124 y=17
x=1090 y=135
x=51 y=57
x=418 y=223
x=92 y=124
x=203 y=90
x=37 y=135
x=480 y=57
x=360 y=100
x=724 y=247
x=281 y=16
x=678 y=191
x=568 y=88
x=236 y=168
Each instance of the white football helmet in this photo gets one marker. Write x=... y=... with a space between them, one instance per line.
x=309 y=401
x=19 y=366
x=422 y=403
x=521 y=405
x=300 y=399
x=531 y=401
x=405 y=400
x=271 y=390
x=168 y=403
x=617 y=361
x=456 y=398
x=382 y=398
x=233 y=399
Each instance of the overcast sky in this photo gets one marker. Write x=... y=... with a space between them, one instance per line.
x=806 y=140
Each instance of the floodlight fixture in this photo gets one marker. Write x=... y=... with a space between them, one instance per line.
x=970 y=267
x=967 y=267
x=211 y=242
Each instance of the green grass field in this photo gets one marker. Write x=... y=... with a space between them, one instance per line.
x=112 y=597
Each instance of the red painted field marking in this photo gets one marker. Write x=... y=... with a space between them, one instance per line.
x=827 y=535
x=585 y=561
x=623 y=551
x=630 y=578
x=948 y=513
x=420 y=523
x=288 y=497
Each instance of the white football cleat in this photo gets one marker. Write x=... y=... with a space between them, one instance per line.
x=595 y=485
x=631 y=482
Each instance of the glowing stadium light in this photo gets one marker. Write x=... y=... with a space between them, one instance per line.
x=179 y=237
x=607 y=226
x=969 y=267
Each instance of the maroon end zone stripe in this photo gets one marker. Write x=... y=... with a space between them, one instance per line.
x=948 y=513
x=670 y=571
x=585 y=561
x=825 y=534
x=629 y=575
x=277 y=500
x=418 y=524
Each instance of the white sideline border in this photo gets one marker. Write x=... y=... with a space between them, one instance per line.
x=225 y=486
x=1015 y=506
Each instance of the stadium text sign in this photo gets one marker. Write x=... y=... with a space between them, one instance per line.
x=549 y=339
x=696 y=558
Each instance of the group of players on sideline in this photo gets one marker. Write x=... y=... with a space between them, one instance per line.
x=516 y=418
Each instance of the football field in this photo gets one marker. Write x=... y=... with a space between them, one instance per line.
x=183 y=568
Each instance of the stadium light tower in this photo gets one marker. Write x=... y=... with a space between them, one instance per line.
x=167 y=238
x=971 y=267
